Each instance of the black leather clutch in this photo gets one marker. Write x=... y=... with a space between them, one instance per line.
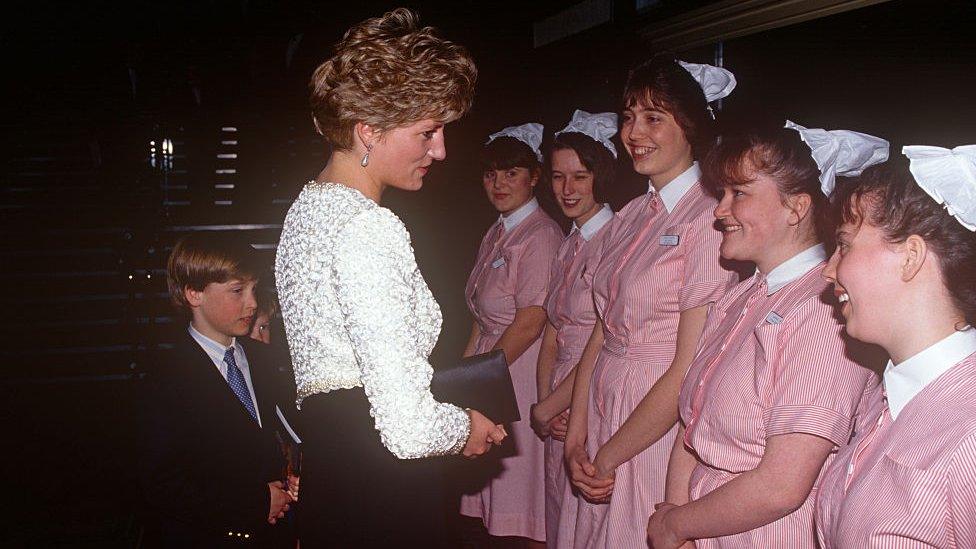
x=480 y=382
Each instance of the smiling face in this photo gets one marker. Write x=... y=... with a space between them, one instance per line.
x=758 y=223
x=865 y=271
x=572 y=184
x=509 y=189
x=656 y=143
x=402 y=156
x=223 y=310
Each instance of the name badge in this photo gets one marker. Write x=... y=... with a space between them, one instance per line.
x=498 y=263
x=774 y=318
x=670 y=240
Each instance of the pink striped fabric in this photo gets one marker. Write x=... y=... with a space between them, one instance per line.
x=655 y=264
x=511 y=273
x=768 y=365
x=570 y=310
x=913 y=482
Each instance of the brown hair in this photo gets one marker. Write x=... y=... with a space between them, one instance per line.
x=390 y=72
x=664 y=84
x=888 y=197
x=267 y=298
x=780 y=154
x=203 y=258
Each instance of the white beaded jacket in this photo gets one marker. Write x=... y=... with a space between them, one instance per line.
x=358 y=313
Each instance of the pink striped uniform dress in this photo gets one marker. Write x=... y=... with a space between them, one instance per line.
x=772 y=362
x=512 y=272
x=908 y=479
x=660 y=258
x=570 y=311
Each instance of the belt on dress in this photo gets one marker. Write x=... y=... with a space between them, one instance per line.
x=659 y=352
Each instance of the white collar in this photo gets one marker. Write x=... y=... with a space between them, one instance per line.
x=795 y=267
x=213 y=348
x=513 y=219
x=904 y=381
x=595 y=223
x=675 y=189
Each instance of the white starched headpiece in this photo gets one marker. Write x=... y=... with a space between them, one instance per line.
x=716 y=82
x=600 y=127
x=841 y=152
x=530 y=134
x=948 y=176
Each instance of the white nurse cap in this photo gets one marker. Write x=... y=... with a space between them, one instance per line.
x=716 y=82
x=948 y=176
x=530 y=134
x=841 y=152
x=600 y=127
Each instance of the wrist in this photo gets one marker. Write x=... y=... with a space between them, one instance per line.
x=540 y=412
x=465 y=435
x=604 y=466
x=672 y=522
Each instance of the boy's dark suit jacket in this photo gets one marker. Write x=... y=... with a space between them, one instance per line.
x=205 y=463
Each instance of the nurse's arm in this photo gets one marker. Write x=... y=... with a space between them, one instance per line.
x=680 y=466
x=657 y=412
x=779 y=485
x=522 y=332
x=472 y=340
x=546 y=362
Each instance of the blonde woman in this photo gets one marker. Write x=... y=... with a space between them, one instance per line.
x=359 y=318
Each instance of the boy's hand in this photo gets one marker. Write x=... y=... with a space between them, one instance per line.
x=279 y=501
x=293 y=487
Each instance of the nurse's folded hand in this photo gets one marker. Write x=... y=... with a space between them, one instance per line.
x=559 y=426
x=539 y=423
x=583 y=476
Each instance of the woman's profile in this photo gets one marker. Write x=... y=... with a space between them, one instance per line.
x=359 y=317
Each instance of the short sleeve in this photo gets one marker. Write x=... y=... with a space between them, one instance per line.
x=533 y=265
x=811 y=385
x=962 y=493
x=704 y=280
x=375 y=274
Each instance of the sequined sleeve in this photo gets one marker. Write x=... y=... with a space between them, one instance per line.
x=384 y=300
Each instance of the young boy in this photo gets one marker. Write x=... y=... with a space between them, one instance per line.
x=212 y=466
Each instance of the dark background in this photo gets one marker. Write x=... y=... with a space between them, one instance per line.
x=82 y=210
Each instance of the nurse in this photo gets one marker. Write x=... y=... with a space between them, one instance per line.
x=581 y=166
x=658 y=274
x=772 y=392
x=505 y=293
x=905 y=275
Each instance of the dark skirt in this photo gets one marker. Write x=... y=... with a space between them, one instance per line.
x=355 y=492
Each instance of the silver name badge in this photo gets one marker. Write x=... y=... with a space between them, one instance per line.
x=774 y=318
x=498 y=263
x=670 y=240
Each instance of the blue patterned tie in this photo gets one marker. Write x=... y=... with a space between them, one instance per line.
x=237 y=384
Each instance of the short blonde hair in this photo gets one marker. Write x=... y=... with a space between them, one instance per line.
x=390 y=72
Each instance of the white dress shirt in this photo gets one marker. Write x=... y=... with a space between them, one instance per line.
x=216 y=353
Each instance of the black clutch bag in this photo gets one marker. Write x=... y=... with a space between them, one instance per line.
x=480 y=382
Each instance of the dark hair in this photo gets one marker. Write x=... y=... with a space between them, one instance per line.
x=267 y=298
x=888 y=197
x=203 y=258
x=594 y=156
x=504 y=153
x=663 y=83
x=778 y=153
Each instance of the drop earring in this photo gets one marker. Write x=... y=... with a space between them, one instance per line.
x=365 y=160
